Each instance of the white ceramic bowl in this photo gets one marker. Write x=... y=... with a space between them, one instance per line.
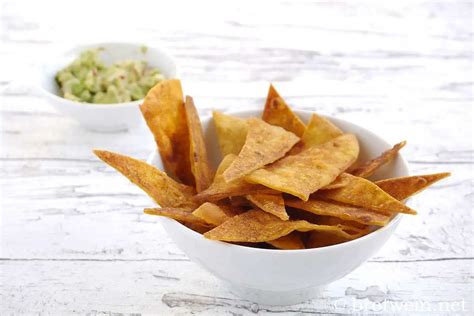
x=283 y=277
x=101 y=117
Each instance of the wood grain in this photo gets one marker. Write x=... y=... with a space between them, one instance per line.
x=73 y=236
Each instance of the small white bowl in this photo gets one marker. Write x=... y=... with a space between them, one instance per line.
x=283 y=277
x=101 y=117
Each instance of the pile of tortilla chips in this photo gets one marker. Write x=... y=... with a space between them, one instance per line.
x=281 y=183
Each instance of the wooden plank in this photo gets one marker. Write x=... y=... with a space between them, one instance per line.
x=84 y=209
x=180 y=287
x=427 y=126
x=73 y=238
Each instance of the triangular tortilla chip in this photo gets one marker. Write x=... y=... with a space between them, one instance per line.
x=273 y=204
x=319 y=131
x=264 y=144
x=200 y=166
x=240 y=201
x=213 y=214
x=231 y=133
x=220 y=189
x=161 y=188
x=306 y=172
x=350 y=226
x=179 y=214
x=260 y=226
x=163 y=110
x=345 y=212
x=404 y=187
x=367 y=169
x=341 y=181
x=322 y=239
x=291 y=241
x=278 y=113
x=363 y=193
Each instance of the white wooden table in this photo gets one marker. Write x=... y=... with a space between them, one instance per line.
x=73 y=236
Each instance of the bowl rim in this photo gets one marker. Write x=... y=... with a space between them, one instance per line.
x=393 y=222
x=67 y=49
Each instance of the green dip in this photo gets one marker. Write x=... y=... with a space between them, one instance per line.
x=88 y=79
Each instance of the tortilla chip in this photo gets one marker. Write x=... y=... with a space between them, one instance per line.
x=278 y=113
x=229 y=209
x=179 y=214
x=322 y=239
x=231 y=132
x=165 y=191
x=164 y=113
x=363 y=193
x=240 y=201
x=404 y=187
x=289 y=242
x=220 y=189
x=368 y=168
x=200 y=166
x=260 y=226
x=215 y=215
x=345 y=212
x=341 y=181
x=212 y=214
x=273 y=204
x=306 y=172
x=350 y=226
x=264 y=144
x=199 y=228
x=183 y=216
x=319 y=131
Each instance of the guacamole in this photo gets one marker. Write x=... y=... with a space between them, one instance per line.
x=88 y=79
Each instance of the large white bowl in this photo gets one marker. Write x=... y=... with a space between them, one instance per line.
x=101 y=117
x=283 y=277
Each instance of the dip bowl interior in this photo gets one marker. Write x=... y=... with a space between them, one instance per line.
x=283 y=277
x=101 y=117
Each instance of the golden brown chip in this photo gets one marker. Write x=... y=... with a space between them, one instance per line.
x=404 y=187
x=179 y=214
x=271 y=203
x=200 y=165
x=319 y=131
x=339 y=210
x=184 y=216
x=264 y=144
x=161 y=188
x=212 y=214
x=199 y=228
x=289 y=242
x=164 y=113
x=350 y=226
x=231 y=132
x=363 y=193
x=224 y=164
x=341 y=181
x=322 y=239
x=278 y=113
x=313 y=168
x=229 y=208
x=215 y=215
x=368 y=168
x=220 y=189
x=260 y=226
x=240 y=201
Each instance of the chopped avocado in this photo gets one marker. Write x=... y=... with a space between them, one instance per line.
x=88 y=79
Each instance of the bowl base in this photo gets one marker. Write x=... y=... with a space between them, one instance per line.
x=275 y=298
